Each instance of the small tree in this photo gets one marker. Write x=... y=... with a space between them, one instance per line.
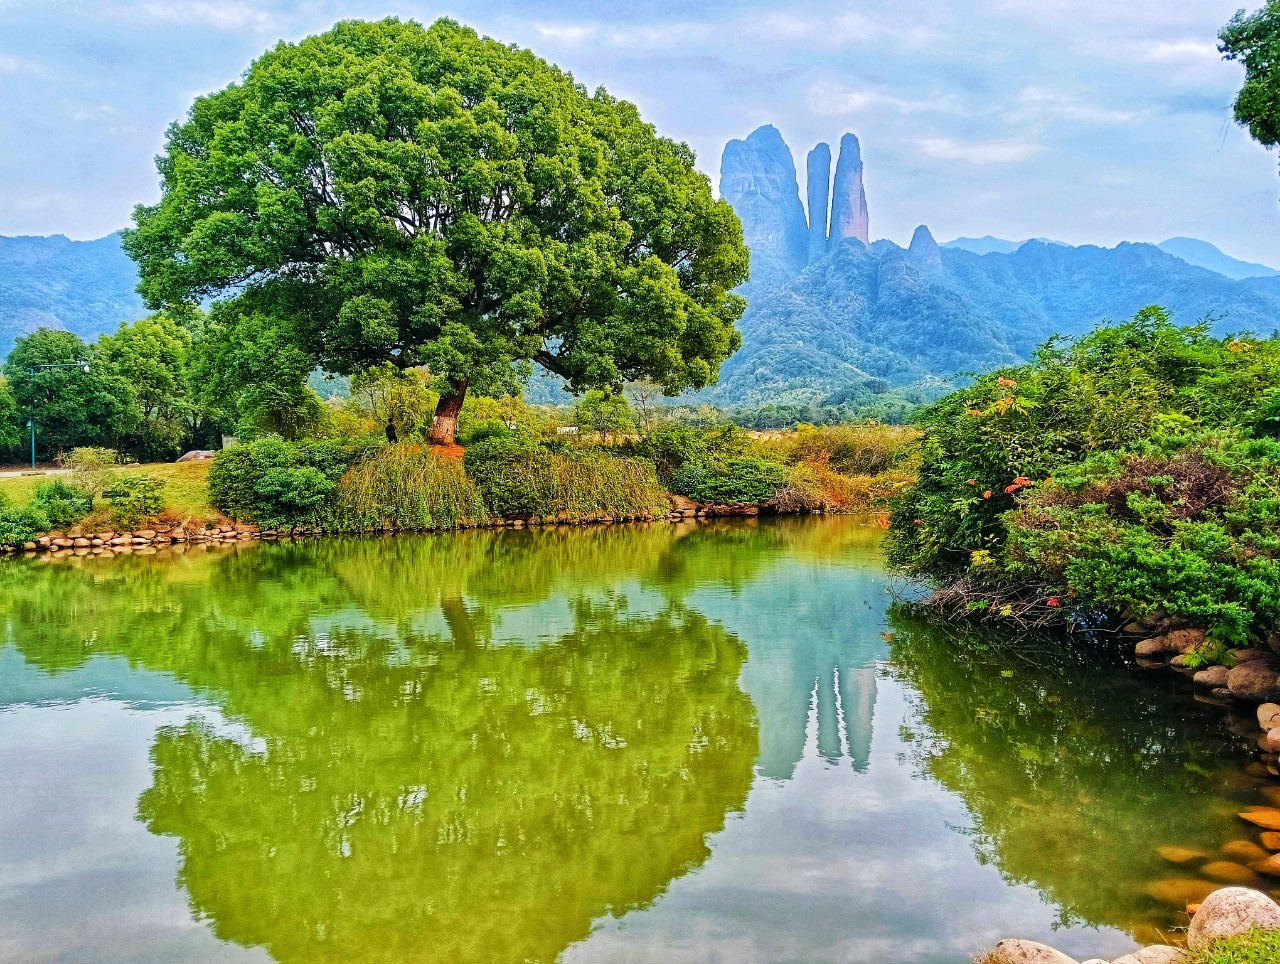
x=389 y=194
x=604 y=412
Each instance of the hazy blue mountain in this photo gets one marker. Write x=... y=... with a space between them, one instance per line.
x=86 y=287
x=991 y=245
x=1205 y=255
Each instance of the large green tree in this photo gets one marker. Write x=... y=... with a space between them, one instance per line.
x=428 y=197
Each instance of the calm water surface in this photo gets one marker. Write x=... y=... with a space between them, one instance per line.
x=714 y=743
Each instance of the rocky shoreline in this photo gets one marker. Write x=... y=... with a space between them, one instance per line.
x=106 y=544
x=1247 y=674
x=1228 y=913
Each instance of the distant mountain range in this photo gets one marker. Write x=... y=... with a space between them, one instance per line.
x=87 y=287
x=1202 y=254
x=822 y=319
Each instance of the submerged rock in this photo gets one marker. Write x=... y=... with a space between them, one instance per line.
x=1179 y=892
x=1231 y=912
x=1228 y=872
x=1268 y=818
x=1180 y=855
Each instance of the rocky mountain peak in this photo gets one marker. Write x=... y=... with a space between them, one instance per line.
x=758 y=177
x=849 y=216
x=924 y=250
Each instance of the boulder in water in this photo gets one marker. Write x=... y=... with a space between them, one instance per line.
x=1155 y=954
x=1231 y=912
x=1024 y=952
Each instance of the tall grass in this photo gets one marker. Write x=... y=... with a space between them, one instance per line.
x=406 y=487
x=849 y=449
x=575 y=485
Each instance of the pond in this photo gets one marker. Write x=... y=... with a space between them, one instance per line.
x=722 y=742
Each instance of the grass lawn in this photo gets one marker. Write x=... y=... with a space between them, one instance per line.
x=186 y=488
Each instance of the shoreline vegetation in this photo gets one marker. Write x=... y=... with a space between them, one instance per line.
x=511 y=478
x=1126 y=480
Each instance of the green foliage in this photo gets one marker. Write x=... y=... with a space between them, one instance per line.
x=134 y=499
x=69 y=405
x=275 y=483
x=519 y=478
x=406 y=487
x=61 y=503
x=397 y=401
x=19 y=524
x=1117 y=470
x=733 y=481
x=13 y=432
x=1256 y=947
x=384 y=193
x=672 y=445
x=605 y=412
x=1253 y=39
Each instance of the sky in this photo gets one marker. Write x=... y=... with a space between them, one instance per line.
x=1086 y=121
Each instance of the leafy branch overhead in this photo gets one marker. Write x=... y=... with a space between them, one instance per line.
x=388 y=193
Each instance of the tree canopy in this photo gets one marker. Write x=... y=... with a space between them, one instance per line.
x=389 y=193
x=1253 y=39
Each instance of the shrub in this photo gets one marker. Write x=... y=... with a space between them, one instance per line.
x=673 y=445
x=62 y=504
x=407 y=487
x=134 y=499
x=277 y=484
x=91 y=467
x=1128 y=471
x=519 y=478
x=732 y=481
x=19 y=524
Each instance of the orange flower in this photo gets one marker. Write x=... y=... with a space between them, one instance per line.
x=973 y=481
x=1006 y=383
x=1053 y=601
x=975 y=412
x=987 y=494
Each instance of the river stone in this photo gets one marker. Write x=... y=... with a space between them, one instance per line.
x=1246 y=655
x=1213 y=676
x=1267 y=818
x=1184 y=640
x=1244 y=851
x=1150 y=648
x=1231 y=912
x=1254 y=681
x=1155 y=954
x=1180 y=855
x=1228 y=872
x=1267 y=712
x=1271 y=840
x=1269 y=865
x=1270 y=742
x=1025 y=952
x=1180 y=891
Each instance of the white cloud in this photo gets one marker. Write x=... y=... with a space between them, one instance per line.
x=1043 y=103
x=20 y=65
x=209 y=13
x=978 y=152
x=565 y=34
x=1195 y=51
x=830 y=99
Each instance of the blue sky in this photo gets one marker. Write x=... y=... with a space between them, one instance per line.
x=1089 y=121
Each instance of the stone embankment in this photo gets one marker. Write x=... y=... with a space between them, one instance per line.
x=1248 y=674
x=79 y=542
x=1224 y=914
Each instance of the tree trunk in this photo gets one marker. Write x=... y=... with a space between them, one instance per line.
x=446 y=420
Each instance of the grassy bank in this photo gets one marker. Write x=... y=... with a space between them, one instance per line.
x=363 y=483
